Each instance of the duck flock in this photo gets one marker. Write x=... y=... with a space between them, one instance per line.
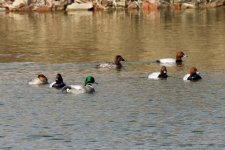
x=87 y=87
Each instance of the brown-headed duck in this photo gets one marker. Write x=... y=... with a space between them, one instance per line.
x=116 y=64
x=159 y=75
x=178 y=59
x=193 y=75
x=41 y=79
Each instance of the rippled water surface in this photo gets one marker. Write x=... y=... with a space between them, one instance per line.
x=128 y=111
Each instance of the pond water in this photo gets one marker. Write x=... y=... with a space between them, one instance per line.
x=127 y=111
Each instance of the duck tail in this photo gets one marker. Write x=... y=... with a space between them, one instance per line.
x=158 y=61
x=91 y=9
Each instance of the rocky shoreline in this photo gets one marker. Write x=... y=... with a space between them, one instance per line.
x=95 y=5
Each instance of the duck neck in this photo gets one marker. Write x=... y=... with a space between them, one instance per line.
x=162 y=75
x=178 y=59
x=88 y=84
x=193 y=74
x=59 y=81
x=117 y=62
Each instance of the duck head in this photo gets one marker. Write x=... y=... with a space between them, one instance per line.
x=193 y=71
x=163 y=72
x=43 y=78
x=118 y=59
x=58 y=78
x=89 y=80
x=179 y=56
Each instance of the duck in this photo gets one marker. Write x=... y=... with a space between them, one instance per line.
x=178 y=59
x=116 y=64
x=58 y=84
x=193 y=75
x=159 y=75
x=78 y=89
x=41 y=79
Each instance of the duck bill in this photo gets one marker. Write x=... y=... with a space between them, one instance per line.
x=185 y=56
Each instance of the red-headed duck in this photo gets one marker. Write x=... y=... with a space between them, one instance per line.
x=41 y=79
x=58 y=84
x=159 y=75
x=78 y=89
x=193 y=75
x=178 y=59
x=116 y=64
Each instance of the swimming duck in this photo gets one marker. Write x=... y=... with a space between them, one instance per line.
x=58 y=84
x=78 y=89
x=193 y=75
x=115 y=64
x=41 y=79
x=178 y=59
x=159 y=75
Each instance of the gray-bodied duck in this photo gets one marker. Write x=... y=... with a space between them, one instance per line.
x=78 y=89
x=116 y=64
